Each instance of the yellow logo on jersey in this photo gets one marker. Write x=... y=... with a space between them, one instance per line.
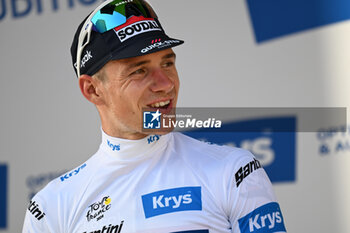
x=107 y=201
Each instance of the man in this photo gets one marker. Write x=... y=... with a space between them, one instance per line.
x=137 y=181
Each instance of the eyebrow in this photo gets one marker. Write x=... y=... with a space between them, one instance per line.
x=169 y=55
x=133 y=65
x=140 y=63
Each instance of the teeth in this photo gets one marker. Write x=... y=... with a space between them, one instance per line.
x=160 y=104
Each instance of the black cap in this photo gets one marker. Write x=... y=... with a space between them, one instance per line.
x=136 y=37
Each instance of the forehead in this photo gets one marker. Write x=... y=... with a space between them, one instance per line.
x=123 y=66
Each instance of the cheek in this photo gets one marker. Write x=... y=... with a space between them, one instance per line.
x=133 y=95
x=176 y=80
x=115 y=100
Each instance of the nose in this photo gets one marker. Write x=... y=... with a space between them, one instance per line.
x=161 y=82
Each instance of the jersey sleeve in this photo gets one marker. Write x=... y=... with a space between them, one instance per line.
x=251 y=203
x=35 y=218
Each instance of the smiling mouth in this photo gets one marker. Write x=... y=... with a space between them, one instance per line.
x=161 y=104
x=165 y=106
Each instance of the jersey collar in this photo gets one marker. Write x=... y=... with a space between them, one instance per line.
x=126 y=149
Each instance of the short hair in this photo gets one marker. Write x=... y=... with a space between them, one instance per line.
x=100 y=75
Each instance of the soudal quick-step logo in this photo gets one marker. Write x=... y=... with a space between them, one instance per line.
x=72 y=173
x=97 y=209
x=35 y=210
x=108 y=229
x=172 y=200
x=136 y=29
x=265 y=219
x=160 y=44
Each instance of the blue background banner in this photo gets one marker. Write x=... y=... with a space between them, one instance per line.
x=3 y=196
x=275 y=18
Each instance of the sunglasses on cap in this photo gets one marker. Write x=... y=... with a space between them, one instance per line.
x=109 y=15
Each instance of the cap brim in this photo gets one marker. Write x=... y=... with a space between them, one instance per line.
x=145 y=45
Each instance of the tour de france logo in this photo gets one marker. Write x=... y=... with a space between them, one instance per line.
x=97 y=209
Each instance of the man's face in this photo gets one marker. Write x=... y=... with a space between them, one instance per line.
x=132 y=84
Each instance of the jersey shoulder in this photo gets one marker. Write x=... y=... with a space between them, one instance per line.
x=214 y=161
x=75 y=178
x=67 y=187
x=213 y=153
x=52 y=206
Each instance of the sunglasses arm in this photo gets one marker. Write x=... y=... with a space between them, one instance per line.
x=85 y=31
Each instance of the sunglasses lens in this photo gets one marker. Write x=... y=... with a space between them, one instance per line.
x=105 y=22
x=116 y=12
x=113 y=14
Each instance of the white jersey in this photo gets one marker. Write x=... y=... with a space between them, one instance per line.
x=159 y=184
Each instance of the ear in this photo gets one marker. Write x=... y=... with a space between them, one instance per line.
x=91 y=89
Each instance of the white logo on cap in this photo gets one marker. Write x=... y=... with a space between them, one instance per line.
x=159 y=45
x=85 y=59
x=137 y=28
x=123 y=2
